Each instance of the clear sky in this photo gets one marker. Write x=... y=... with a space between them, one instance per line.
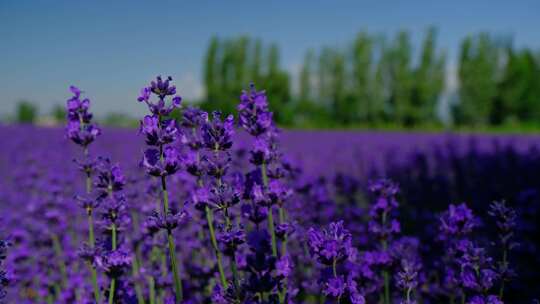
x=112 y=48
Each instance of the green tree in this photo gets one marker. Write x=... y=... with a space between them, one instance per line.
x=277 y=87
x=362 y=57
x=59 y=114
x=211 y=70
x=518 y=97
x=479 y=65
x=401 y=79
x=256 y=62
x=231 y=64
x=26 y=112
x=305 y=90
x=394 y=76
x=428 y=81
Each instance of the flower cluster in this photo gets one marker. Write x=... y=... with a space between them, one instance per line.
x=382 y=224
x=214 y=213
x=457 y=222
x=505 y=218
x=332 y=245
x=79 y=127
x=4 y=281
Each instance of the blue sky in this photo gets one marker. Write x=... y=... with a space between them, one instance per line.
x=112 y=48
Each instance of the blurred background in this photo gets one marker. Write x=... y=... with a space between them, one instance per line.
x=414 y=65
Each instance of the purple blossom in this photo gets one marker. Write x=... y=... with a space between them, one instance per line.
x=156 y=166
x=229 y=240
x=161 y=88
x=253 y=111
x=82 y=134
x=407 y=277
x=457 y=222
x=284 y=266
x=158 y=132
x=4 y=280
x=79 y=127
x=166 y=222
x=335 y=287
x=114 y=263
x=217 y=133
x=332 y=245
x=477 y=269
x=491 y=299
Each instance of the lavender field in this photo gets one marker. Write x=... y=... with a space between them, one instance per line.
x=214 y=209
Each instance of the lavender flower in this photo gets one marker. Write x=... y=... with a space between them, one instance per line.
x=407 y=279
x=158 y=132
x=505 y=218
x=456 y=223
x=79 y=127
x=164 y=160
x=114 y=263
x=4 y=281
x=217 y=133
x=253 y=111
x=332 y=245
x=161 y=88
x=163 y=163
x=383 y=224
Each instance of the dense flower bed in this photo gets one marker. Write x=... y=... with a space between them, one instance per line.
x=214 y=209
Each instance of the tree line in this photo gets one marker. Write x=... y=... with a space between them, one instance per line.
x=374 y=81
x=378 y=80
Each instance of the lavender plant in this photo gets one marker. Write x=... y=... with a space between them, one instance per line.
x=162 y=159
x=505 y=218
x=83 y=132
x=4 y=280
x=384 y=226
x=263 y=227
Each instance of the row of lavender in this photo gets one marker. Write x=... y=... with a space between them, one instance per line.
x=196 y=214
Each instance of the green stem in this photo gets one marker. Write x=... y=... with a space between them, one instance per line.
x=273 y=234
x=91 y=238
x=111 y=290
x=135 y=273
x=283 y=292
x=504 y=263
x=113 y=237
x=135 y=266
x=113 y=280
x=386 y=287
x=234 y=270
x=95 y=285
x=334 y=271
x=170 y=240
x=152 y=290
x=281 y=221
x=270 y=213
x=210 y=220
x=60 y=256
x=177 y=282
x=386 y=276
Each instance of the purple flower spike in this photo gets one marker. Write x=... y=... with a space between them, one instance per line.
x=457 y=222
x=217 y=134
x=253 y=111
x=157 y=135
x=161 y=88
x=156 y=166
x=332 y=245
